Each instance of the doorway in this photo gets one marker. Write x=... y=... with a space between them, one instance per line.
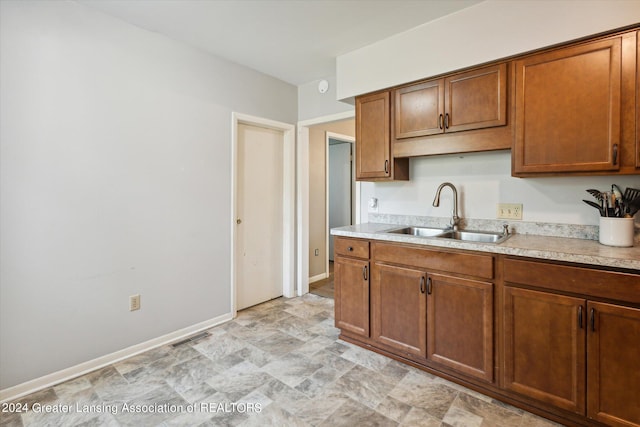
x=340 y=201
x=313 y=212
x=263 y=211
x=341 y=186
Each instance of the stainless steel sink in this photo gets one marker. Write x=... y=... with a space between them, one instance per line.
x=463 y=236
x=475 y=236
x=417 y=231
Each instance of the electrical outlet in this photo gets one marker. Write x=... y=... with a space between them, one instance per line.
x=316 y=252
x=134 y=302
x=509 y=211
x=373 y=205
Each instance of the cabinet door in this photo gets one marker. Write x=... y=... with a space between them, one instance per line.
x=544 y=346
x=352 y=295
x=399 y=304
x=419 y=109
x=613 y=359
x=373 y=143
x=568 y=109
x=460 y=324
x=476 y=99
x=637 y=103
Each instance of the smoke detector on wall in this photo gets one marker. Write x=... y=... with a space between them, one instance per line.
x=323 y=86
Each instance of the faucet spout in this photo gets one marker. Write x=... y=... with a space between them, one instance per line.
x=455 y=219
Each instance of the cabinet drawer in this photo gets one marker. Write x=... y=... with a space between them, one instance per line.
x=351 y=247
x=453 y=262
x=584 y=281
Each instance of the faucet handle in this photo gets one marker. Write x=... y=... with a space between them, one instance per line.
x=505 y=229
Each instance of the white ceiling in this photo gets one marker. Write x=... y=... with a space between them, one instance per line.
x=293 y=40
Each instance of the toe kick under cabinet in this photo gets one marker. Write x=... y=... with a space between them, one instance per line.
x=559 y=340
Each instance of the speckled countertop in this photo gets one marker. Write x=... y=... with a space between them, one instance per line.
x=574 y=250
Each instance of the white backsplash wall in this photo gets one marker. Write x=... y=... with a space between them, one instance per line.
x=483 y=180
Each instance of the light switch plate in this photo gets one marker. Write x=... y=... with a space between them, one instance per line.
x=509 y=211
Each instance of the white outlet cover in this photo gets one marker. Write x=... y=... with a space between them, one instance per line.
x=509 y=211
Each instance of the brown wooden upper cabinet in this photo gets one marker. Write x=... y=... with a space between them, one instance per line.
x=568 y=109
x=474 y=99
x=374 y=160
x=638 y=101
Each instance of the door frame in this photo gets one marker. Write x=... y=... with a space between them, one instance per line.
x=355 y=187
x=302 y=193
x=288 y=199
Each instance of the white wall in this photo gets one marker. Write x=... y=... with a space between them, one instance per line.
x=313 y=104
x=115 y=180
x=485 y=32
x=483 y=180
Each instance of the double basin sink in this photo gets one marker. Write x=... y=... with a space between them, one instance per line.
x=465 y=236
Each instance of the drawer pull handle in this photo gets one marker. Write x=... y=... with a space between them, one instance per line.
x=429 y=286
x=365 y=276
x=422 y=288
x=592 y=319
x=386 y=166
x=615 y=154
x=441 y=121
x=580 y=317
x=350 y=249
x=446 y=121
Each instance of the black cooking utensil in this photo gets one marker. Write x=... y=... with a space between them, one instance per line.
x=630 y=194
x=597 y=194
x=633 y=206
x=595 y=205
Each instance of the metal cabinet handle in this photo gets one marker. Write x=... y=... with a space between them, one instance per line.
x=422 y=288
x=365 y=276
x=446 y=121
x=592 y=319
x=350 y=249
x=441 y=121
x=580 y=317
x=615 y=154
x=429 y=286
x=386 y=166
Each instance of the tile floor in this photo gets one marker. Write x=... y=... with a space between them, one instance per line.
x=283 y=357
x=324 y=287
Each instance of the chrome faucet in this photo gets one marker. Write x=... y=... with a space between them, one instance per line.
x=454 y=214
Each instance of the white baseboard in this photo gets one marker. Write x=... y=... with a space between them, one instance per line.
x=318 y=277
x=63 y=375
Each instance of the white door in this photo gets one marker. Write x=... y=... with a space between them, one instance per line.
x=340 y=184
x=259 y=229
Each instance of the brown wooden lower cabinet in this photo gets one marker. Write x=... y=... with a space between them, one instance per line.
x=444 y=319
x=544 y=347
x=577 y=355
x=460 y=324
x=399 y=308
x=564 y=338
x=613 y=363
x=351 y=284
